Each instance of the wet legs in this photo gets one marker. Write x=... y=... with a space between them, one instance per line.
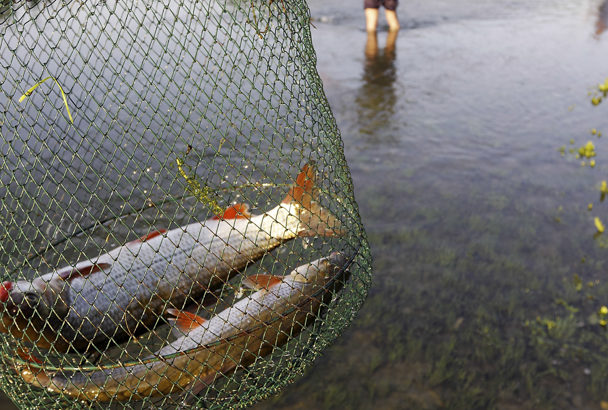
x=371 y=20
x=393 y=22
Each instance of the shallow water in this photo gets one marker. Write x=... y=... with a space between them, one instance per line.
x=479 y=228
x=478 y=225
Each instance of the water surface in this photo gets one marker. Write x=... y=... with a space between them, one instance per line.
x=488 y=278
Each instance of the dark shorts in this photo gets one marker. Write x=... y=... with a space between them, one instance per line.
x=375 y=4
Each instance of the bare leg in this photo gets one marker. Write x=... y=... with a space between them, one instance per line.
x=393 y=22
x=371 y=47
x=391 y=39
x=371 y=19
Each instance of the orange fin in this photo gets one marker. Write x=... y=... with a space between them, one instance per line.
x=25 y=354
x=71 y=273
x=151 y=235
x=236 y=211
x=147 y=237
x=186 y=321
x=303 y=191
x=261 y=281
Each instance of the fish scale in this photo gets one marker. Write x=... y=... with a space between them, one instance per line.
x=249 y=325
x=176 y=264
x=123 y=292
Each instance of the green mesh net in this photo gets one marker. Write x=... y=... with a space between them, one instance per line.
x=177 y=218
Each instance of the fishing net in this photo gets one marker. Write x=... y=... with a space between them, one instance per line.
x=177 y=218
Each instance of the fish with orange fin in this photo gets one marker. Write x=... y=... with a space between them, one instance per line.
x=123 y=292
x=209 y=349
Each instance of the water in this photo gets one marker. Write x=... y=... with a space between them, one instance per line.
x=479 y=228
x=478 y=225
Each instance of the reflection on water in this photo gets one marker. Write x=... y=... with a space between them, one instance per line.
x=602 y=19
x=376 y=98
x=477 y=225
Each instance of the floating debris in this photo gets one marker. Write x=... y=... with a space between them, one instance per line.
x=578 y=282
x=587 y=150
x=599 y=225
x=603 y=93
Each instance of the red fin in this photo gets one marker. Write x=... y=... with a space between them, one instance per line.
x=25 y=354
x=302 y=191
x=186 y=321
x=71 y=273
x=261 y=281
x=236 y=211
x=4 y=289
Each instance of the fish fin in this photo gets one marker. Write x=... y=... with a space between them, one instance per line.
x=4 y=290
x=314 y=219
x=202 y=382
x=303 y=191
x=147 y=237
x=236 y=211
x=199 y=384
x=185 y=321
x=151 y=235
x=25 y=354
x=71 y=273
x=261 y=281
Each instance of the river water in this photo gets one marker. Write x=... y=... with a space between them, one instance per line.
x=488 y=277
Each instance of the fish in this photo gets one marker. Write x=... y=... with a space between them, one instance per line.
x=210 y=349
x=120 y=294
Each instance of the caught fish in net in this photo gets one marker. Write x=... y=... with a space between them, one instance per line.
x=177 y=219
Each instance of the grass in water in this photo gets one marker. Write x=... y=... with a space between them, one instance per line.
x=204 y=194
x=65 y=101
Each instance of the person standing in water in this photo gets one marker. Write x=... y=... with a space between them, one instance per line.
x=371 y=14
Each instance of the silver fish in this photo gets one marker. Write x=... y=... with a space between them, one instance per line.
x=122 y=293
x=250 y=328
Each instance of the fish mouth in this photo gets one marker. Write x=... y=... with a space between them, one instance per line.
x=16 y=304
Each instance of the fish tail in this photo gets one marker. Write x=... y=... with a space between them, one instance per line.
x=35 y=377
x=303 y=191
x=314 y=219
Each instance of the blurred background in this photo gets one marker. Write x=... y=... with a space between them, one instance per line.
x=462 y=143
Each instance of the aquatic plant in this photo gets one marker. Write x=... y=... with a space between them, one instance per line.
x=65 y=100
x=600 y=93
x=202 y=193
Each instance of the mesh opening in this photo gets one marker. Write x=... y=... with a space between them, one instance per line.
x=191 y=238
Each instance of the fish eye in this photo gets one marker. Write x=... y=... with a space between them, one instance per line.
x=23 y=304
x=31 y=298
